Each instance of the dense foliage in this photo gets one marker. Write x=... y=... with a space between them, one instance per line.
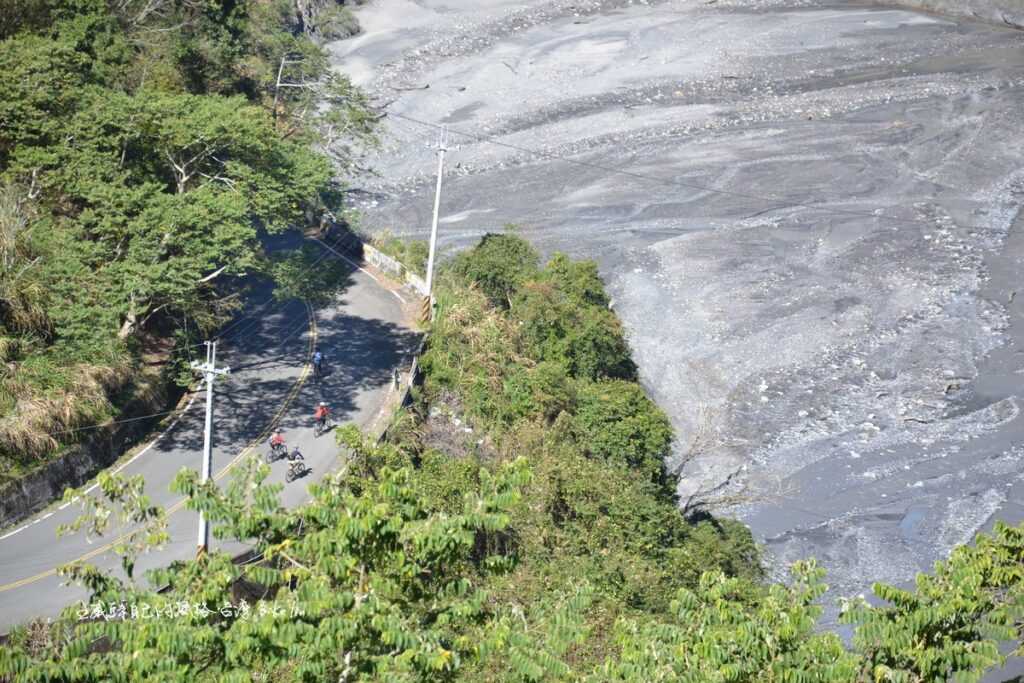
x=499 y=265
x=359 y=584
x=146 y=147
x=542 y=549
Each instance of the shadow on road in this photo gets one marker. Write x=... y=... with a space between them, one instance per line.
x=363 y=354
x=267 y=349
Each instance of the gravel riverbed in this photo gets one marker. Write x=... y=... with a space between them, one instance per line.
x=807 y=213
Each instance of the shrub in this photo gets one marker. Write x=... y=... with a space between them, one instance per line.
x=578 y=280
x=597 y=347
x=588 y=519
x=616 y=421
x=441 y=481
x=499 y=265
x=541 y=364
x=551 y=390
x=563 y=322
x=336 y=23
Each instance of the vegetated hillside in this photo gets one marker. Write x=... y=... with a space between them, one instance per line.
x=541 y=545
x=145 y=148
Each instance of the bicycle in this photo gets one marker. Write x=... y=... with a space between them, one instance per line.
x=318 y=366
x=276 y=452
x=296 y=468
x=322 y=425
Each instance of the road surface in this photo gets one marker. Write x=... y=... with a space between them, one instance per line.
x=364 y=337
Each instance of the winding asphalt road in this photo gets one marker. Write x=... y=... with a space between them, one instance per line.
x=364 y=338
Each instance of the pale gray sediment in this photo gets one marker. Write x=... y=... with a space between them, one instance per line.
x=839 y=336
x=1007 y=12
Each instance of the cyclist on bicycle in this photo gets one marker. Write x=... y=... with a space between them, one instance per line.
x=318 y=362
x=321 y=413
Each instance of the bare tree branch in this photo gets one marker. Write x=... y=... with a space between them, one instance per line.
x=213 y=274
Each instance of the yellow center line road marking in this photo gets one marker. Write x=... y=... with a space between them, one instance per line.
x=296 y=387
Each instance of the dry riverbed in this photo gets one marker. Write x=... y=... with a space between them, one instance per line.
x=807 y=213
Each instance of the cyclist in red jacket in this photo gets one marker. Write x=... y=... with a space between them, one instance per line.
x=321 y=413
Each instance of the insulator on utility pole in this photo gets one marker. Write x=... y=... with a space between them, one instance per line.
x=209 y=371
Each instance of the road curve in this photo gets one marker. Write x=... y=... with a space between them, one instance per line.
x=363 y=335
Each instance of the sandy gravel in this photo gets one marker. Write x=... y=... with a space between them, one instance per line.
x=834 y=329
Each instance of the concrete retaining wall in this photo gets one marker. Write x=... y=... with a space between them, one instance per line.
x=416 y=282
x=22 y=498
x=1005 y=12
x=383 y=262
x=393 y=268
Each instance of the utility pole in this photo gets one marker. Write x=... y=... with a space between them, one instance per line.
x=210 y=372
x=441 y=149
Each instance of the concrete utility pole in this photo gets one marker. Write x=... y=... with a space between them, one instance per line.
x=210 y=372
x=441 y=149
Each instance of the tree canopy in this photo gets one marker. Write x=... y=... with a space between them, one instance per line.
x=146 y=148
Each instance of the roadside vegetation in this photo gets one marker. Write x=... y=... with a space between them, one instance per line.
x=146 y=148
x=412 y=254
x=517 y=524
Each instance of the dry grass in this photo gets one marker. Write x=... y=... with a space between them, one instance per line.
x=44 y=395
x=36 y=426
x=22 y=298
x=22 y=307
x=11 y=349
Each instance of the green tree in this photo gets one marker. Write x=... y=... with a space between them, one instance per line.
x=565 y=319
x=716 y=636
x=498 y=265
x=359 y=584
x=172 y=189
x=42 y=81
x=533 y=643
x=950 y=626
x=155 y=143
x=577 y=280
x=617 y=422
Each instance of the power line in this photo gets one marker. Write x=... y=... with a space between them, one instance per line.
x=222 y=334
x=666 y=181
x=109 y=423
x=290 y=333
